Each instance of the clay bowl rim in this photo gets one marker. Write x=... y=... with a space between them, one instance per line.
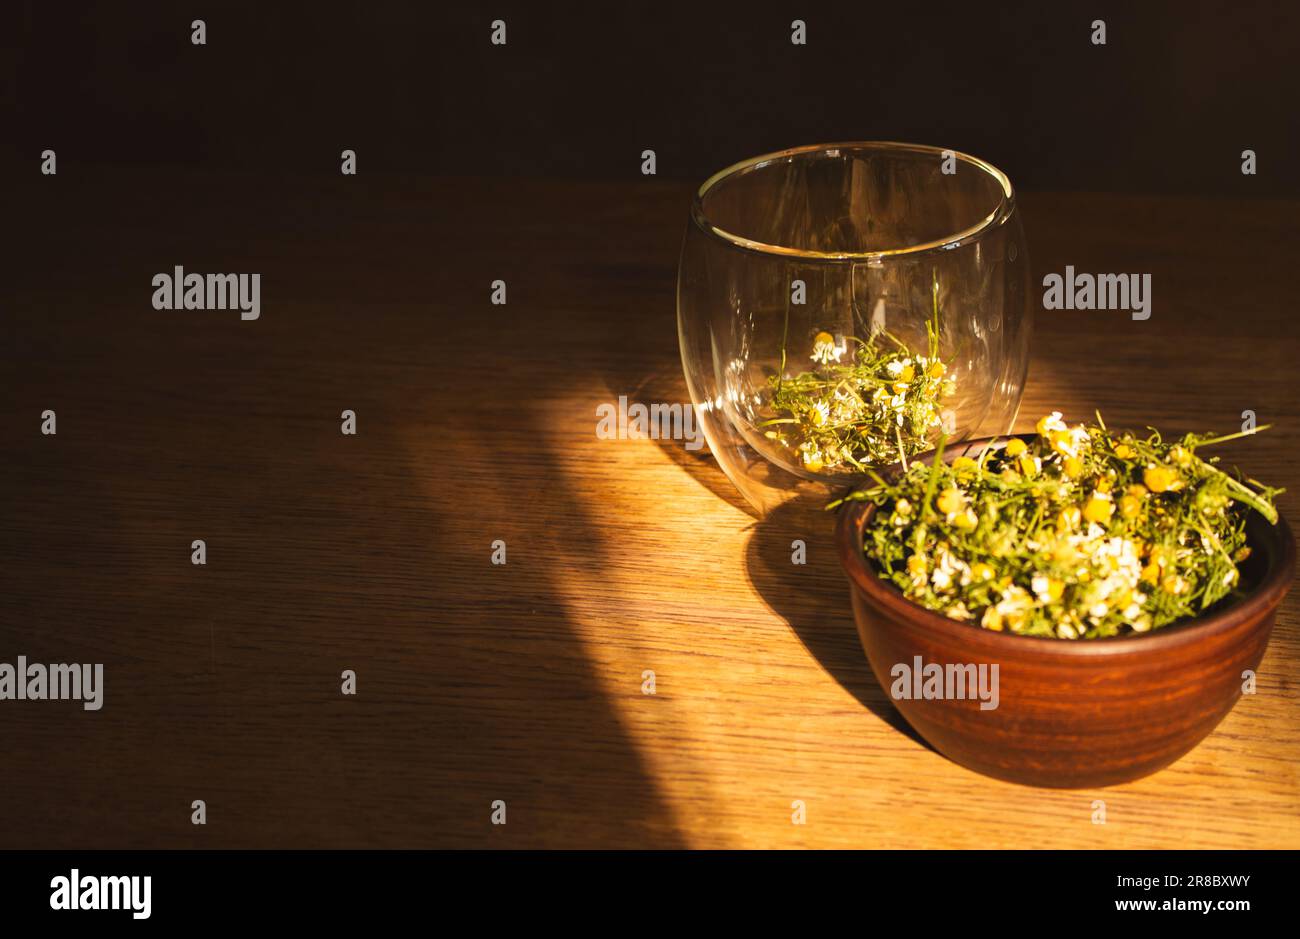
x=1266 y=595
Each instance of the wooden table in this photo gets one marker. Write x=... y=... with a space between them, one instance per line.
x=476 y=422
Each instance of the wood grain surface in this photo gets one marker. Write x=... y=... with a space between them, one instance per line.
x=476 y=422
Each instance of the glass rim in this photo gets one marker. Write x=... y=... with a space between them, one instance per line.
x=1001 y=211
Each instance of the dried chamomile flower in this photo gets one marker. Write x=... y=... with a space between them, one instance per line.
x=1077 y=534
x=864 y=403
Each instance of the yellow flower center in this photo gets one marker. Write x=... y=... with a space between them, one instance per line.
x=1160 y=478
x=964 y=464
x=950 y=501
x=1098 y=510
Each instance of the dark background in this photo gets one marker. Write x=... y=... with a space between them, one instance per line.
x=371 y=552
x=580 y=91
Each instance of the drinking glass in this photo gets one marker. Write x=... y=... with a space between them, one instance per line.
x=812 y=280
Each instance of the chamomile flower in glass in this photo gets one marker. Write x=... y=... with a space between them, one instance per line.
x=825 y=349
x=847 y=303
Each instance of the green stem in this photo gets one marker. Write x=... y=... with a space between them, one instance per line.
x=1245 y=495
x=1237 y=436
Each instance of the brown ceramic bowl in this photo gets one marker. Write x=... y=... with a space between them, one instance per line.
x=1070 y=713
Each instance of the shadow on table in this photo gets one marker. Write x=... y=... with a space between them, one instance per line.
x=666 y=385
x=813 y=599
x=369 y=553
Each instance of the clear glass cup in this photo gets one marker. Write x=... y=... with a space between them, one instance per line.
x=841 y=306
